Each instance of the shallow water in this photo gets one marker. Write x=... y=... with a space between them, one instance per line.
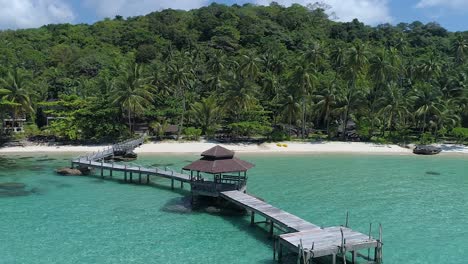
x=421 y=202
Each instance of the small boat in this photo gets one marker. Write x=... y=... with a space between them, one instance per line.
x=426 y=150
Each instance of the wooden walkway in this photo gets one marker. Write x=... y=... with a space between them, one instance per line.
x=289 y=222
x=299 y=236
x=96 y=161
x=331 y=241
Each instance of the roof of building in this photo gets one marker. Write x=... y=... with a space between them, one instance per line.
x=218 y=152
x=219 y=160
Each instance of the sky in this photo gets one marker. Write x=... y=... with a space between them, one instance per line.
x=15 y=14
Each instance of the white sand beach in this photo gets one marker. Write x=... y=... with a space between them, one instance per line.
x=197 y=147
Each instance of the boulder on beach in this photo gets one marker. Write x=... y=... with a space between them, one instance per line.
x=69 y=172
x=426 y=150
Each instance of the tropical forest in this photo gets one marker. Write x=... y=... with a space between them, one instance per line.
x=236 y=72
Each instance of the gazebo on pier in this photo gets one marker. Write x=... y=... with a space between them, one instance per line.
x=227 y=172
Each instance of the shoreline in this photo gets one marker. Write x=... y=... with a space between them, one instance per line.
x=173 y=147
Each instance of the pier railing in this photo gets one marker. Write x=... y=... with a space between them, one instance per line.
x=121 y=147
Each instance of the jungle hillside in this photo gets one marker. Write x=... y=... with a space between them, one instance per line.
x=236 y=72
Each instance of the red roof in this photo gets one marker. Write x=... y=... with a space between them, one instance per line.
x=219 y=160
x=218 y=152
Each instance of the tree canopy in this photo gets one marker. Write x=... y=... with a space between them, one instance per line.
x=248 y=70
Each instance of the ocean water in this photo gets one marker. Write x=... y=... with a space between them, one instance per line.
x=422 y=203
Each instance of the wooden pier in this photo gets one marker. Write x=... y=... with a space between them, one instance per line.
x=298 y=236
x=331 y=241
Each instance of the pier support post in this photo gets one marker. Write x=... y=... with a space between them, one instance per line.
x=274 y=249
x=252 y=218
x=147 y=179
x=272 y=225
x=172 y=184
x=125 y=176
x=181 y=184
x=131 y=177
x=333 y=259
x=353 y=260
x=111 y=173
x=280 y=253
x=102 y=172
x=139 y=178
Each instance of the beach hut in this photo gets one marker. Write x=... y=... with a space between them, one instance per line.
x=222 y=170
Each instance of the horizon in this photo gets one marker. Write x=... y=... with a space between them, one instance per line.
x=19 y=14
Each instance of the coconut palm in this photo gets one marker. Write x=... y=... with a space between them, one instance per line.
x=327 y=99
x=16 y=90
x=459 y=47
x=180 y=79
x=427 y=101
x=357 y=61
x=207 y=114
x=394 y=106
x=303 y=82
x=270 y=85
x=429 y=68
x=315 y=54
x=447 y=117
x=132 y=92
x=291 y=110
x=249 y=67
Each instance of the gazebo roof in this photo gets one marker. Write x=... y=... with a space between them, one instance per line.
x=219 y=160
x=218 y=152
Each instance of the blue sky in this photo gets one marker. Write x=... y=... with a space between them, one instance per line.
x=33 y=13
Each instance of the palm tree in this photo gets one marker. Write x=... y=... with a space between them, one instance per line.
x=427 y=100
x=303 y=80
x=394 y=106
x=16 y=89
x=356 y=65
x=250 y=66
x=429 y=68
x=240 y=96
x=271 y=85
x=382 y=71
x=291 y=110
x=207 y=114
x=181 y=81
x=327 y=99
x=315 y=54
x=459 y=47
x=132 y=92
x=447 y=117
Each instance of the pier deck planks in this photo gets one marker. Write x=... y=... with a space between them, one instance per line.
x=326 y=241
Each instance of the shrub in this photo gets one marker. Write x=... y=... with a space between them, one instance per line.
x=192 y=133
x=460 y=133
x=249 y=129
x=426 y=138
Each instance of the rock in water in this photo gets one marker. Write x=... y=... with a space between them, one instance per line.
x=69 y=172
x=12 y=185
x=129 y=156
x=426 y=150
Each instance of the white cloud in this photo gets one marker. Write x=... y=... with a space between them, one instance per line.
x=453 y=4
x=33 y=13
x=110 y=8
x=369 y=11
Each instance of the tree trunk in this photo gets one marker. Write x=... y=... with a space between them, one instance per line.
x=181 y=123
x=327 y=119
x=303 y=117
x=130 y=120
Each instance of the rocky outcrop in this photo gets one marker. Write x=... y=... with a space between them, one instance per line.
x=69 y=172
x=426 y=150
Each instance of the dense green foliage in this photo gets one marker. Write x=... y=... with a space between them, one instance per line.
x=246 y=71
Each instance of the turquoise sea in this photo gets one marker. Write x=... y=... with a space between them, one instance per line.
x=422 y=203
